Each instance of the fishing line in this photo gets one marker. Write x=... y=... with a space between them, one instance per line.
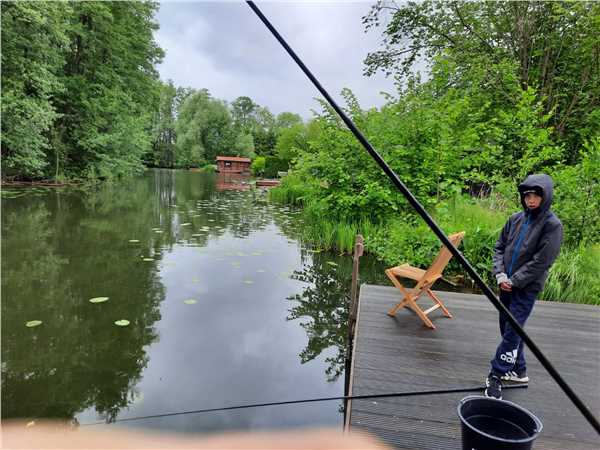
x=434 y=227
x=310 y=400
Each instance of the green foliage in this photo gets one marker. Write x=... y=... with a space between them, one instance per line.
x=292 y=190
x=526 y=40
x=287 y=120
x=163 y=127
x=407 y=239
x=33 y=34
x=204 y=130
x=577 y=196
x=291 y=141
x=79 y=88
x=209 y=168
x=258 y=166
x=244 y=145
x=273 y=165
x=574 y=276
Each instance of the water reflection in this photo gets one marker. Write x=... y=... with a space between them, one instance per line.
x=325 y=302
x=152 y=245
x=50 y=269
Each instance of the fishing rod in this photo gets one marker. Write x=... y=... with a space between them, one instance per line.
x=309 y=400
x=434 y=227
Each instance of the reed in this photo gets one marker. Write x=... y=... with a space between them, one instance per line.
x=406 y=238
x=574 y=276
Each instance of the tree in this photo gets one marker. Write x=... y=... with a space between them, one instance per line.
x=264 y=131
x=110 y=88
x=79 y=87
x=242 y=112
x=204 y=130
x=163 y=128
x=551 y=46
x=33 y=38
x=244 y=145
x=291 y=142
x=287 y=120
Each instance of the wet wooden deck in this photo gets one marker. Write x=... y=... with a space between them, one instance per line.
x=400 y=354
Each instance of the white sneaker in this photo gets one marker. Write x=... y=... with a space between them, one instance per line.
x=516 y=377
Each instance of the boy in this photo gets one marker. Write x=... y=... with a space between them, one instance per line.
x=528 y=245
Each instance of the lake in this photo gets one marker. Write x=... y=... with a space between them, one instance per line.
x=222 y=305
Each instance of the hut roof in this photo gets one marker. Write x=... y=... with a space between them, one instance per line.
x=233 y=159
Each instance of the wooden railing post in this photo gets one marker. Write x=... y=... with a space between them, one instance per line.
x=352 y=312
x=358 y=251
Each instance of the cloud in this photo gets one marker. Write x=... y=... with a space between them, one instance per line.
x=223 y=46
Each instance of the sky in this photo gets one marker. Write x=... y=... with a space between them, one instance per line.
x=225 y=48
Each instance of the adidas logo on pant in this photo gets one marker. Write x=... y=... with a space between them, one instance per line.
x=509 y=357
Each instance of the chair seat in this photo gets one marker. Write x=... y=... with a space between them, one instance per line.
x=406 y=271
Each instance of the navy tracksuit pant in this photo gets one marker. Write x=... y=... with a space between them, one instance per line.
x=509 y=355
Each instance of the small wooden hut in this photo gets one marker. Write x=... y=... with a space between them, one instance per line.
x=233 y=164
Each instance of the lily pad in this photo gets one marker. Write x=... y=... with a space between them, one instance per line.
x=148 y=259
x=98 y=299
x=33 y=323
x=134 y=241
x=190 y=301
x=122 y=322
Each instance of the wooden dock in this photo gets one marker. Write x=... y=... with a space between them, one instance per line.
x=399 y=354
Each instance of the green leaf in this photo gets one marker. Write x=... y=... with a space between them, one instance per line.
x=98 y=299
x=33 y=323
x=122 y=322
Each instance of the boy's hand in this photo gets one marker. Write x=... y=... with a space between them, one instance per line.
x=506 y=286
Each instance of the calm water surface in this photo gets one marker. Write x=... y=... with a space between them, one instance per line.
x=225 y=306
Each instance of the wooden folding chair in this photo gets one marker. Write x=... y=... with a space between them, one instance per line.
x=424 y=279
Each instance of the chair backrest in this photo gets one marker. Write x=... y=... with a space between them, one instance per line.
x=441 y=261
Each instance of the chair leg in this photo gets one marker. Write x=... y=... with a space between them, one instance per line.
x=439 y=302
x=422 y=315
x=405 y=299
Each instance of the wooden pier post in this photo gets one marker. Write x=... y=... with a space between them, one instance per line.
x=352 y=312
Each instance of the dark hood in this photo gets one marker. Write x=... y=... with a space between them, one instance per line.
x=543 y=182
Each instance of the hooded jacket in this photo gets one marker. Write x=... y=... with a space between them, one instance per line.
x=530 y=241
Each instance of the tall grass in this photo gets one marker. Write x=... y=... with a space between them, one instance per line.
x=336 y=236
x=406 y=238
x=574 y=277
x=291 y=191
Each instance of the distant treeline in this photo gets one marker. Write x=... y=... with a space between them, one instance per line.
x=81 y=99
x=191 y=128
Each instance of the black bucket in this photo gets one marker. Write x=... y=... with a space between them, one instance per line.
x=491 y=424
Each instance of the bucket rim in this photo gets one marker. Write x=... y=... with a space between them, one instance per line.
x=538 y=422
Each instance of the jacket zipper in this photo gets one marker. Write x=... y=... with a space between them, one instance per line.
x=518 y=246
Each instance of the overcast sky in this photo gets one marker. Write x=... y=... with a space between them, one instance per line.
x=223 y=46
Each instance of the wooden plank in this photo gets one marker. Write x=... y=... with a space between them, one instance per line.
x=399 y=354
